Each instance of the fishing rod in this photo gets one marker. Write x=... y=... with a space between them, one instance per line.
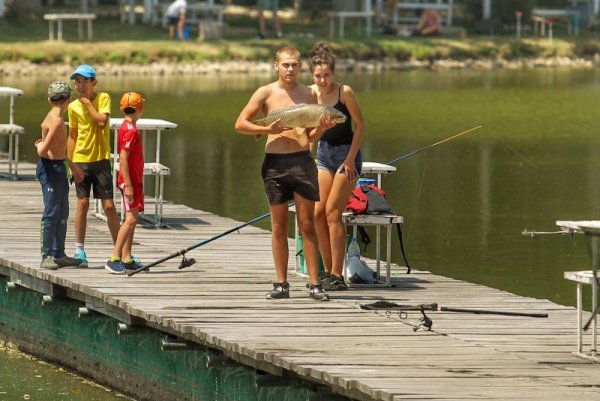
x=492 y=312
x=433 y=145
x=187 y=262
x=425 y=323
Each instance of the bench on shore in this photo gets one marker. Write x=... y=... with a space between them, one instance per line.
x=572 y=15
x=59 y=18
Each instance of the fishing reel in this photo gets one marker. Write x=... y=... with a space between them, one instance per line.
x=424 y=323
x=185 y=262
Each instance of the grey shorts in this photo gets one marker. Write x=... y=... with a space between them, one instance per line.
x=286 y=173
x=97 y=175
x=331 y=157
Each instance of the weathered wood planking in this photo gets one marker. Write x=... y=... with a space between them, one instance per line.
x=220 y=302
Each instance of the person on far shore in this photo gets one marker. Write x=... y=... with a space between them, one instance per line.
x=88 y=147
x=288 y=171
x=339 y=163
x=176 y=18
x=51 y=172
x=272 y=5
x=430 y=23
x=130 y=181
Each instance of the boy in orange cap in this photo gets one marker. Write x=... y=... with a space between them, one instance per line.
x=130 y=181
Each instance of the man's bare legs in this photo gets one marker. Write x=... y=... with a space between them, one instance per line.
x=262 y=25
x=305 y=213
x=279 y=240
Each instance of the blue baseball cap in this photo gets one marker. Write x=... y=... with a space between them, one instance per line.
x=85 y=71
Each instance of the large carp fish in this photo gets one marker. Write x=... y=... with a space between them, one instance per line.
x=302 y=115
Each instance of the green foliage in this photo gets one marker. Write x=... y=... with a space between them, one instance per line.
x=587 y=48
x=519 y=48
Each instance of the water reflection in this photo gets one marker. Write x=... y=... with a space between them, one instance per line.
x=465 y=202
x=25 y=378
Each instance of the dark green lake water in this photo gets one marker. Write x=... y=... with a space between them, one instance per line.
x=536 y=160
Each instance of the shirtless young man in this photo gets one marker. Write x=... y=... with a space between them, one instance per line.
x=52 y=174
x=289 y=171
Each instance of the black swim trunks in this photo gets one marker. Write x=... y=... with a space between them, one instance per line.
x=286 y=173
x=97 y=175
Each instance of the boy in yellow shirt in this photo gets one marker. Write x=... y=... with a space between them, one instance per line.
x=88 y=147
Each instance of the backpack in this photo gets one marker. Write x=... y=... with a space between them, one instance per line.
x=368 y=199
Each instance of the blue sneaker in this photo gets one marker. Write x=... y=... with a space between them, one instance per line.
x=133 y=265
x=116 y=267
x=82 y=257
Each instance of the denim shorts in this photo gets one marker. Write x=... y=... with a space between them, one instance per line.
x=331 y=157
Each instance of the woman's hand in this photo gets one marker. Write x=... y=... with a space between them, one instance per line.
x=348 y=168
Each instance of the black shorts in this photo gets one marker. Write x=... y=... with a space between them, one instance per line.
x=97 y=175
x=286 y=173
x=172 y=20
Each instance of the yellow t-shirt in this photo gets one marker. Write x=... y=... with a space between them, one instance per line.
x=93 y=142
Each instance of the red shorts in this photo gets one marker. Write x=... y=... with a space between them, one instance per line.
x=138 y=198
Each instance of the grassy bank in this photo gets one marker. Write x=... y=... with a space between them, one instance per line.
x=141 y=44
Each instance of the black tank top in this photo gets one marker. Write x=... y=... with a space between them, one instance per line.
x=340 y=134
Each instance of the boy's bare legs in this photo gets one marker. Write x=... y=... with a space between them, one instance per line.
x=279 y=240
x=111 y=218
x=83 y=205
x=124 y=239
x=305 y=213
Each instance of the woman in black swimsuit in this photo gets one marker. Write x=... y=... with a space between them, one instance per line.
x=338 y=162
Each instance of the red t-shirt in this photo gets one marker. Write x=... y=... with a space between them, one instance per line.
x=131 y=141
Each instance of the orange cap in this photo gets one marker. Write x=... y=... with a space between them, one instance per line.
x=132 y=100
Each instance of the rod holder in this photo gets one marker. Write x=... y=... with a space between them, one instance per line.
x=124 y=328
x=82 y=311
x=172 y=343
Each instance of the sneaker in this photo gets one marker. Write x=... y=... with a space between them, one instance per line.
x=116 y=267
x=280 y=291
x=67 y=261
x=317 y=292
x=323 y=276
x=83 y=262
x=49 y=263
x=133 y=265
x=334 y=283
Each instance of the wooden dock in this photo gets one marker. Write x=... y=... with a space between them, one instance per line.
x=219 y=303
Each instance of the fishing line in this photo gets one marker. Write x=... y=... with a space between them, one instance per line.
x=531 y=163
